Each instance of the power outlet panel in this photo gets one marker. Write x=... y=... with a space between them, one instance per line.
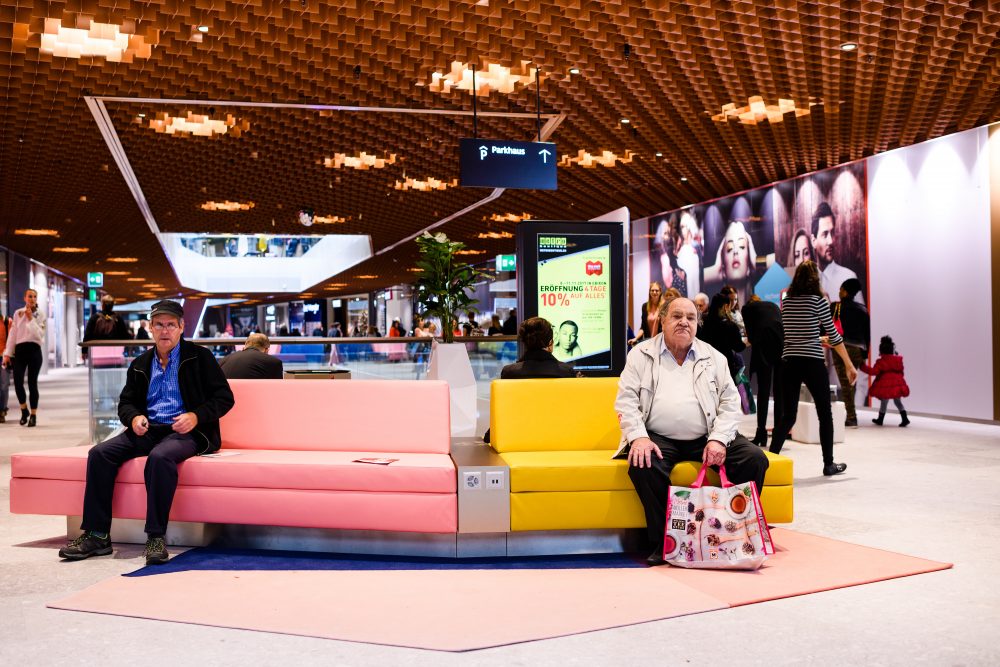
x=472 y=480
x=494 y=480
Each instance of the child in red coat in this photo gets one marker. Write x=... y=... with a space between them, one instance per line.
x=889 y=381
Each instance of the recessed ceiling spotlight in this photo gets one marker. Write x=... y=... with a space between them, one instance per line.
x=684 y=179
x=849 y=46
x=142 y=115
x=658 y=154
x=574 y=70
x=203 y=28
x=624 y=121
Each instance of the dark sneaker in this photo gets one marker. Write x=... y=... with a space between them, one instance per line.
x=156 y=551
x=655 y=558
x=851 y=423
x=85 y=546
x=834 y=469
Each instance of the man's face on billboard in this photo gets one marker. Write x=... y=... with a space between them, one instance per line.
x=823 y=241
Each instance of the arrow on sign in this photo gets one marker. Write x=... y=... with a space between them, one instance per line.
x=545 y=153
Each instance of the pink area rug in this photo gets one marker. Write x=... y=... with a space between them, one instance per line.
x=432 y=609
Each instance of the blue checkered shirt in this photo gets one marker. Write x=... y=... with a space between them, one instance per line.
x=164 y=398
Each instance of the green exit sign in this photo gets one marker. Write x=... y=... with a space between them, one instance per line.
x=506 y=262
x=95 y=279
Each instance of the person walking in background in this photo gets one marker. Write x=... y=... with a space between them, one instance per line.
x=889 y=381
x=721 y=332
x=767 y=338
x=855 y=327
x=805 y=316
x=496 y=326
x=24 y=348
x=142 y=333
x=4 y=371
x=649 y=317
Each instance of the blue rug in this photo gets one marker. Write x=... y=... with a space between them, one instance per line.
x=208 y=558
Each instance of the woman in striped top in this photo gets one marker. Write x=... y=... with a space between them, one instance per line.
x=808 y=325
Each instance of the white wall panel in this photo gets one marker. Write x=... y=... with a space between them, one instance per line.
x=929 y=261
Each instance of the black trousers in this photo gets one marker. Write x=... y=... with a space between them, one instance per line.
x=27 y=357
x=767 y=380
x=745 y=461
x=795 y=371
x=164 y=449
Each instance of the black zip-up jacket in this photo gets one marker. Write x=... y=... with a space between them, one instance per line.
x=204 y=391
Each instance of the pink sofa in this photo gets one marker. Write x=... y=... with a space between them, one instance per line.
x=287 y=459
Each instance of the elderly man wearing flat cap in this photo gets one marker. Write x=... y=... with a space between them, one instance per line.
x=174 y=395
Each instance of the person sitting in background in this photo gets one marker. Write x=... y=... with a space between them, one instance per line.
x=510 y=324
x=142 y=333
x=252 y=362
x=701 y=304
x=496 y=326
x=536 y=361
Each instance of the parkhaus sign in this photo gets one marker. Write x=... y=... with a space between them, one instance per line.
x=523 y=165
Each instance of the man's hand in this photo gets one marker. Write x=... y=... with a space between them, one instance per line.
x=714 y=453
x=140 y=425
x=185 y=423
x=640 y=453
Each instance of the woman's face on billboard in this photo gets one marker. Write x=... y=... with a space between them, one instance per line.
x=736 y=253
x=801 y=250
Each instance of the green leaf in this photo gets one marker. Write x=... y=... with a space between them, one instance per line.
x=683 y=493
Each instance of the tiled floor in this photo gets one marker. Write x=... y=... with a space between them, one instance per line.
x=930 y=490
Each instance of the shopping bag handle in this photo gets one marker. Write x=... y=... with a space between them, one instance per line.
x=700 y=480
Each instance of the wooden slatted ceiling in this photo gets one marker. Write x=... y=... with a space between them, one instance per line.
x=923 y=69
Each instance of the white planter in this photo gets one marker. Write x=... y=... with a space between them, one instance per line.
x=450 y=362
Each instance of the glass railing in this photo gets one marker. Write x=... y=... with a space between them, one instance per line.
x=364 y=358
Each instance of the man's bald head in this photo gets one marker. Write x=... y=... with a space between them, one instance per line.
x=258 y=341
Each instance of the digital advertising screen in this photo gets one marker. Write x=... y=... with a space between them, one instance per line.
x=572 y=275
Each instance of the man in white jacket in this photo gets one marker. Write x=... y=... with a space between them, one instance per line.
x=677 y=402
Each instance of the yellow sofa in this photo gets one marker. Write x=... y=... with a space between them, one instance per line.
x=558 y=436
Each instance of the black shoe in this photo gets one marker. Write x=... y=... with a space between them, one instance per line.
x=760 y=439
x=655 y=558
x=851 y=423
x=3 y=416
x=878 y=422
x=31 y=421
x=834 y=469
x=905 y=419
x=24 y=416
x=156 y=551
x=85 y=546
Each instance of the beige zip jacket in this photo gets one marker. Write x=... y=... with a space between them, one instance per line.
x=713 y=386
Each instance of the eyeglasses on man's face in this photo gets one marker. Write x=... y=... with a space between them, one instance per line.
x=166 y=326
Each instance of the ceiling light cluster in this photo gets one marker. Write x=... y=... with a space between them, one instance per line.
x=470 y=252
x=366 y=277
x=425 y=186
x=131 y=280
x=361 y=161
x=605 y=159
x=507 y=217
x=36 y=232
x=330 y=219
x=227 y=205
x=122 y=260
x=199 y=125
x=118 y=273
x=488 y=78
x=89 y=39
x=70 y=249
x=495 y=235
x=757 y=111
